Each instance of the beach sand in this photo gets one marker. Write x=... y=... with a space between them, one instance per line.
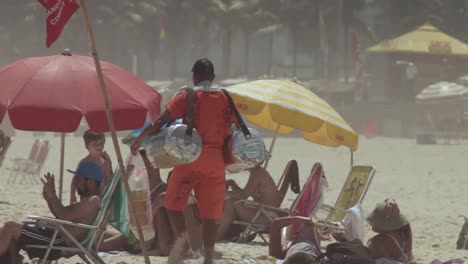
x=430 y=184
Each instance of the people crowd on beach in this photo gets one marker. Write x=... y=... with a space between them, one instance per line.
x=197 y=206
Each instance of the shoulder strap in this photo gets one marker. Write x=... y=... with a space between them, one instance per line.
x=189 y=117
x=398 y=245
x=233 y=108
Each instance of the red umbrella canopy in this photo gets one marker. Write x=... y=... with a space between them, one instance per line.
x=53 y=93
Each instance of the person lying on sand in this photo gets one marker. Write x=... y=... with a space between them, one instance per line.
x=262 y=188
x=15 y=235
x=305 y=249
x=391 y=246
x=393 y=243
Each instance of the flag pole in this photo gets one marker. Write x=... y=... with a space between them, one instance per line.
x=110 y=120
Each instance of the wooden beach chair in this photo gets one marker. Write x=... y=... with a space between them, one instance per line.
x=305 y=204
x=352 y=194
x=20 y=164
x=87 y=248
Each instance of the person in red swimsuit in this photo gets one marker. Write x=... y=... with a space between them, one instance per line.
x=212 y=118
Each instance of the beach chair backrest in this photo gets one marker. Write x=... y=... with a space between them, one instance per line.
x=353 y=192
x=309 y=199
x=34 y=150
x=42 y=156
x=291 y=167
x=94 y=237
x=6 y=145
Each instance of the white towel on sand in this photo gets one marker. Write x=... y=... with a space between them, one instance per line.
x=354 y=223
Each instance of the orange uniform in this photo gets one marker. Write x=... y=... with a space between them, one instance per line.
x=212 y=118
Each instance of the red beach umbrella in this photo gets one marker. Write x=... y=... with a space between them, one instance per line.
x=53 y=93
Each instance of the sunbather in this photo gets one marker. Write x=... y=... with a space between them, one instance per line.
x=115 y=241
x=393 y=243
x=304 y=249
x=262 y=188
x=391 y=246
x=16 y=235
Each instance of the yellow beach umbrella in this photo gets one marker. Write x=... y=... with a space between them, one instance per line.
x=284 y=106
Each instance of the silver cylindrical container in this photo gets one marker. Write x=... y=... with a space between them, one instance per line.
x=242 y=153
x=169 y=147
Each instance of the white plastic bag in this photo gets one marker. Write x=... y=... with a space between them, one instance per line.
x=140 y=198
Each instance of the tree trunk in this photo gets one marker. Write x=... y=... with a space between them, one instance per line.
x=246 y=53
x=346 y=52
x=317 y=43
x=295 y=44
x=227 y=52
x=270 y=53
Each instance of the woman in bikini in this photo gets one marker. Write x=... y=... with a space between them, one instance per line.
x=393 y=244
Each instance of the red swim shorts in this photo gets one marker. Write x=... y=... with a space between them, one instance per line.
x=206 y=176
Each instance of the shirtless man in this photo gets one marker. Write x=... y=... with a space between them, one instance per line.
x=262 y=188
x=15 y=235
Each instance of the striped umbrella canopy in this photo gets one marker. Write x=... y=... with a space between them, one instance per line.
x=284 y=106
x=442 y=91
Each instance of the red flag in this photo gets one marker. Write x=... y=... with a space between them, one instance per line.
x=58 y=14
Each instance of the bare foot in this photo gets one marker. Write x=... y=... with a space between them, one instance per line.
x=179 y=250
x=209 y=255
x=195 y=254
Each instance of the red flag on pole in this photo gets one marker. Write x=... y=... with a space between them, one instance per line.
x=58 y=14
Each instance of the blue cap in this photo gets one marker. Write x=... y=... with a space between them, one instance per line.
x=89 y=170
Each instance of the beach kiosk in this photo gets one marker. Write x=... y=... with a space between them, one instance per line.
x=436 y=55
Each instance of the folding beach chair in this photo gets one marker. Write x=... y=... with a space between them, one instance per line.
x=290 y=169
x=305 y=204
x=35 y=168
x=23 y=167
x=4 y=148
x=87 y=249
x=351 y=196
x=462 y=241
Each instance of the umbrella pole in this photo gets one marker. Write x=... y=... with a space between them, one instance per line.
x=110 y=120
x=272 y=144
x=62 y=160
x=352 y=158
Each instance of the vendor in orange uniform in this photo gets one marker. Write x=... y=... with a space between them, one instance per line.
x=212 y=118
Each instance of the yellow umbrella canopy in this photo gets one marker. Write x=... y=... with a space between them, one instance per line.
x=426 y=39
x=284 y=106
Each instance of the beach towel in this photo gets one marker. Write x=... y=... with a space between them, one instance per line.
x=354 y=224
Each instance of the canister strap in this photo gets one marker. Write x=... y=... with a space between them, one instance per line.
x=189 y=117
x=239 y=119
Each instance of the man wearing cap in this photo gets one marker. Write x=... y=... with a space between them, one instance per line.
x=16 y=235
x=212 y=118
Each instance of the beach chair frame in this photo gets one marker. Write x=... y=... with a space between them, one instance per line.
x=87 y=249
x=272 y=212
x=332 y=221
x=6 y=145
x=30 y=168
x=257 y=228
x=466 y=235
